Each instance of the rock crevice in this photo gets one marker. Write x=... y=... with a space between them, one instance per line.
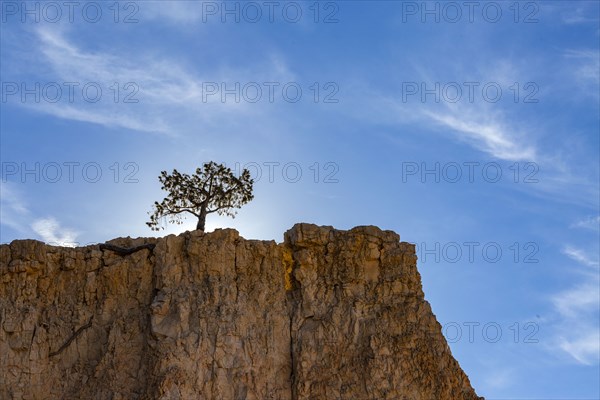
x=327 y=314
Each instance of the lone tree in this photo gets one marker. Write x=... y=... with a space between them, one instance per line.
x=213 y=188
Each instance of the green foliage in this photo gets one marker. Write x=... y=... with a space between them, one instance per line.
x=213 y=188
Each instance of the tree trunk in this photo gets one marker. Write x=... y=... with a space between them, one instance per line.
x=201 y=219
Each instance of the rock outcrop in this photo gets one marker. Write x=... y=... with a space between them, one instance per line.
x=327 y=314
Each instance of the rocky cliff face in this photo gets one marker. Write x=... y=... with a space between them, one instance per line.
x=327 y=314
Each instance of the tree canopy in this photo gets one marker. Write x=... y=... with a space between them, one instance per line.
x=212 y=188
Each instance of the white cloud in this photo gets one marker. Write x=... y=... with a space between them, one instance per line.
x=487 y=132
x=579 y=299
x=578 y=19
x=578 y=15
x=500 y=378
x=111 y=120
x=157 y=84
x=577 y=331
x=180 y=12
x=168 y=96
x=11 y=199
x=592 y=223
x=585 y=68
x=12 y=207
x=580 y=256
x=584 y=348
x=476 y=125
x=485 y=126
x=52 y=233
x=489 y=127
x=15 y=215
x=498 y=130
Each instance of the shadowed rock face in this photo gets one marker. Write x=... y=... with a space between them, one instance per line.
x=327 y=314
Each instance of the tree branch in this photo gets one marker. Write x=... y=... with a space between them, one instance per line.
x=219 y=208
x=73 y=337
x=171 y=212
x=125 y=251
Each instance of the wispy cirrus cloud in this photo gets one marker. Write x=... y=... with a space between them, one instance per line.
x=584 y=348
x=487 y=124
x=15 y=214
x=487 y=132
x=12 y=207
x=577 y=330
x=153 y=95
x=479 y=126
x=571 y=302
x=175 y=12
x=585 y=67
x=506 y=130
x=592 y=223
x=580 y=256
x=500 y=378
x=458 y=109
x=580 y=15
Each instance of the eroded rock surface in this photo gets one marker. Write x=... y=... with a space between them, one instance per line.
x=327 y=314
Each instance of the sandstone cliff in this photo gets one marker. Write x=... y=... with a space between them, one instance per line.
x=327 y=314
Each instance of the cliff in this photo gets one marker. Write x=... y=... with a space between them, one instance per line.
x=327 y=314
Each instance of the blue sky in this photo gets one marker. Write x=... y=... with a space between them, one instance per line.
x=473 y=133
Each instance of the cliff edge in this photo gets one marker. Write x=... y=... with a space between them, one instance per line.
x=327 y=314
